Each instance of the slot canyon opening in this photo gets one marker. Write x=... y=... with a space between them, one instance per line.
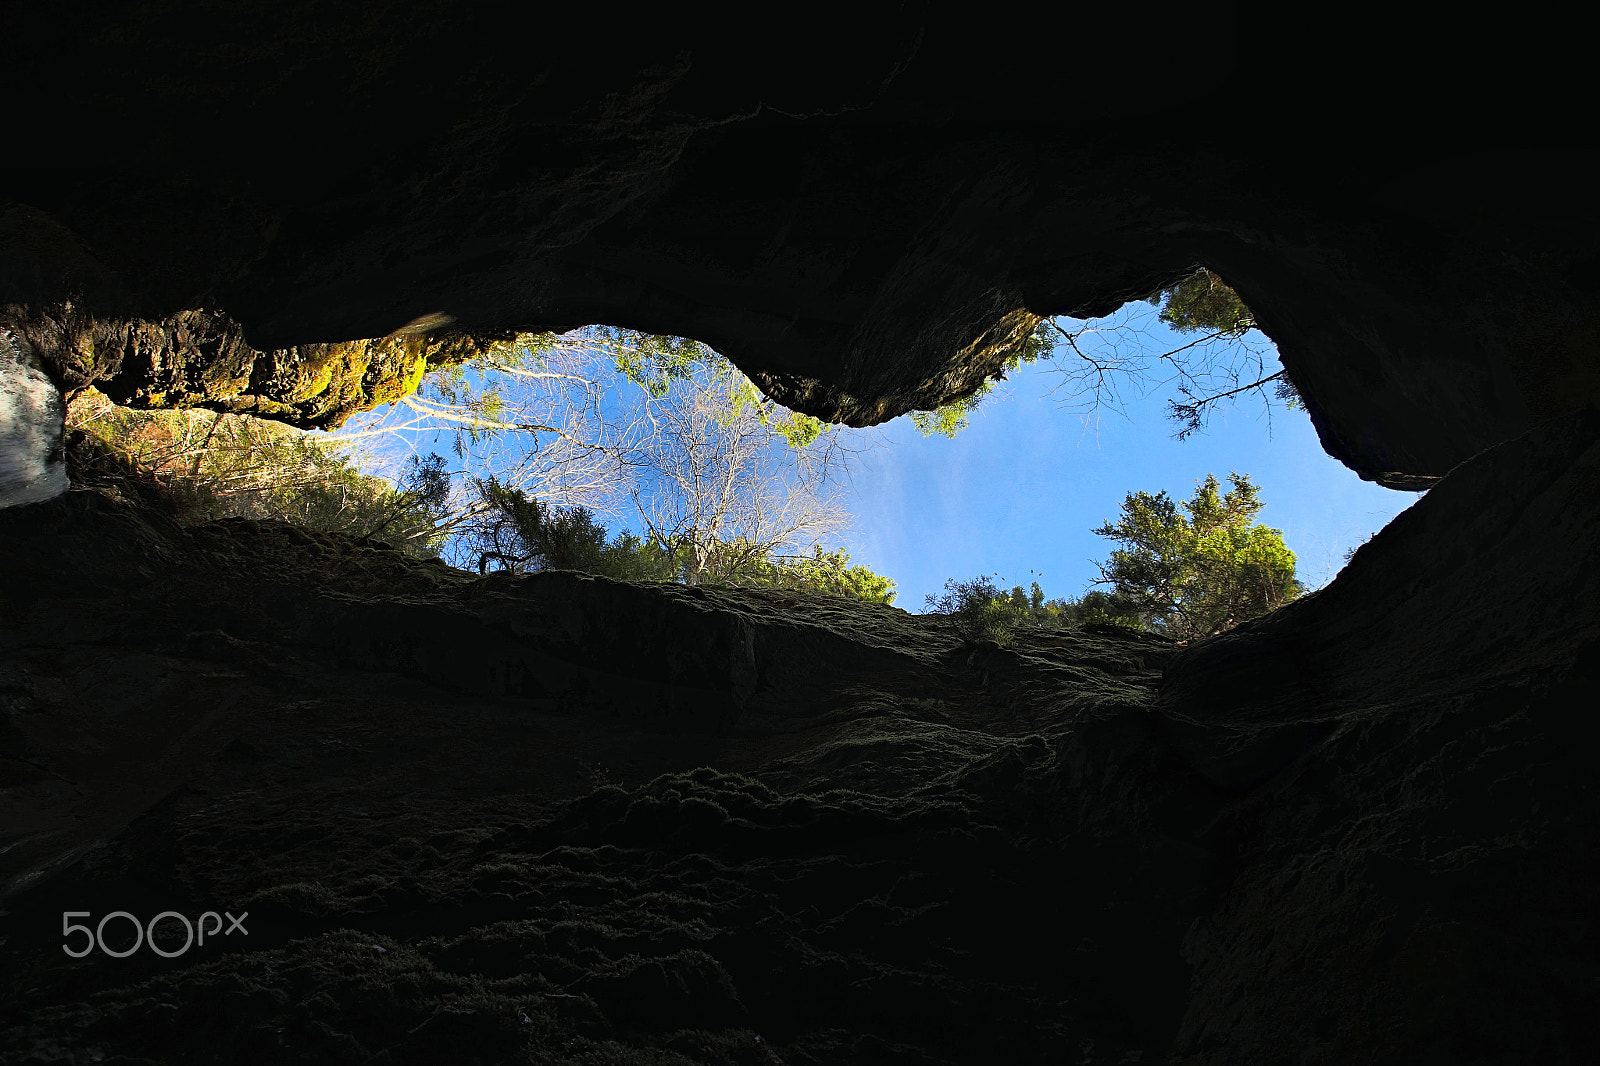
x=560 y=817
x=550 y=452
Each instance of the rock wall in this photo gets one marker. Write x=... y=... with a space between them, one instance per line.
x=32 y=456
x=610 y=823
x=1417 y=853
x=558 y=819
x=570 y=820
x=201 y=359
x=861 y=235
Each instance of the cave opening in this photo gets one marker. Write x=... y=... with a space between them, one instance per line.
x=551 y=816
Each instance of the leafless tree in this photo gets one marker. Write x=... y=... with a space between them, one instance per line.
x=603 y=419
x=719 y=475
x=542 y=415
x=1098 y=358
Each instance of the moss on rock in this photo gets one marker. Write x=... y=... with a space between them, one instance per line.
x=202 y=359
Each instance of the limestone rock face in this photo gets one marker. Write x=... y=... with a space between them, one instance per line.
x=201 y=359
x=32 y=456
x=629 y=823
x=861 y=234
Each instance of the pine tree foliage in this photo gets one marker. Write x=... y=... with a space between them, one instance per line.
x=1203 y=301
x=1201 y=570
x=985 y=613
x=1187 y=571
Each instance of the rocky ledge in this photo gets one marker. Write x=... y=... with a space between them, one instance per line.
x=555 y=818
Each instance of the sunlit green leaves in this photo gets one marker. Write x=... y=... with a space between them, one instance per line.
x=1203 y=301
x=821 y=571
x=953 y=417
x=1201 y=572
x=650 y=361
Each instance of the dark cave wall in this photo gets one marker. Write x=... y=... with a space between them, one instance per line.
x=860 y=220
x=1362 y=824
x=1359 y=829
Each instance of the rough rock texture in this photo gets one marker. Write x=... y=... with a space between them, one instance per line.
x=559 y=820
x=1419 y=839
x=200 y=359
x=562 y=819
x=32 y=455
x=859 y=220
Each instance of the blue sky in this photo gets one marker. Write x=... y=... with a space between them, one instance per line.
x=1017 y=492
x=1022 y=486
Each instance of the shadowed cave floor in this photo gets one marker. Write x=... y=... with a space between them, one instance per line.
x=485 y=821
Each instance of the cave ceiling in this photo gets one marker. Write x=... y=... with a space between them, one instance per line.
x=860 y=221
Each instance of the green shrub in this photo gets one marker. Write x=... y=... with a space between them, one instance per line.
x=517 y=532
x=985 y=614
x=201 y=466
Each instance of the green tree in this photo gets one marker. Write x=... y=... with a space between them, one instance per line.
x=981 y=611
x=1203 y=301
x=516 y=532
x=1202 y=571
x=984 y=612
x=1103 y=608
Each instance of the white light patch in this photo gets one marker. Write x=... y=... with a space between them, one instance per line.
x=32 y=423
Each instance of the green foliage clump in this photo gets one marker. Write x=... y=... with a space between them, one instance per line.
x=952 y=418
x=821 y=571
x=209 y=466
x=1201 y=573
x=981 y=612
x=520 y=533
x=1203 y=301
x=1104 y=608
x=986 y=614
